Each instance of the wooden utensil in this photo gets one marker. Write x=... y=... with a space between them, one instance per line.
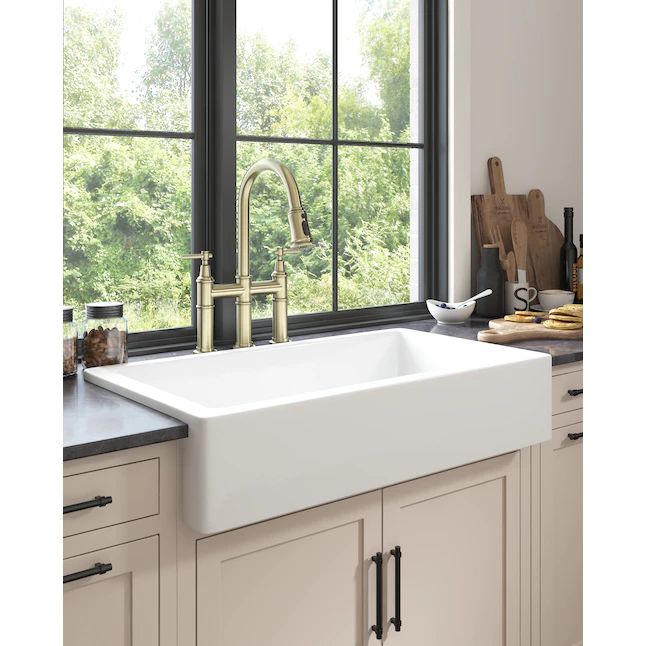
x=519 y=241
x=496 y=210
x=507 y=260
x=509 y=265
x=501 y=331
x=544 y=243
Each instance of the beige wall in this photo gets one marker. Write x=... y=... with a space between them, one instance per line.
x=526 y=94
x=524 y=78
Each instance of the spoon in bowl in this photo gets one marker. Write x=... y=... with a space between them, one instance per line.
x=456 y=306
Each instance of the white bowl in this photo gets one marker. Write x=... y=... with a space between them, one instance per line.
x=451 y=315
x=551 y=298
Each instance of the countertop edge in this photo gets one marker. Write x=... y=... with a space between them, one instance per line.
x=100 y=447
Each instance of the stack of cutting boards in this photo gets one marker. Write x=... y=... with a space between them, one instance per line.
x=527 y=239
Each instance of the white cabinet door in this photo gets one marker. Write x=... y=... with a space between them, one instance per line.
x=459 y=533
x=306 y=579
x=561 y=543
x=119 y=607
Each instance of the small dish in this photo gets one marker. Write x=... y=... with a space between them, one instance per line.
x=451 y=315
x=551 y=298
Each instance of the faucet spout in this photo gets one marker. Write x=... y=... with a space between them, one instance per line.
x=244 y=288
x=297 y=217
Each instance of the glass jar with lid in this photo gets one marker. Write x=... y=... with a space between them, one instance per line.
x=70 y=338
x=105 y=335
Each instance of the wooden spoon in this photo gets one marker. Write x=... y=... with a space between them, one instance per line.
x=519 y=241
x=510 y=266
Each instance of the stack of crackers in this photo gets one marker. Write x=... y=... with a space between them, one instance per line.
x=566 y=317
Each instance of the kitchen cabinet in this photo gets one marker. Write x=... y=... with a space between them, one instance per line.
x=557 y=510
x=459 y=534
x=310 y=577
x=306 y=578
x=119 y=549
x=561 y=536
x=117 y=607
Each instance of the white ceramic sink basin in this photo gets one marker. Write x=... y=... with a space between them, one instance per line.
x=275 y=429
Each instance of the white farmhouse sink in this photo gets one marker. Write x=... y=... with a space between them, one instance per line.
x=279 y=428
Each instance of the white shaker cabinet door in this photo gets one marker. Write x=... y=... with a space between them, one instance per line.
x=459 y=534
x=306 y=579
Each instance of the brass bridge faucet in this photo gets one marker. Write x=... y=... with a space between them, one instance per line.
x=244 y=288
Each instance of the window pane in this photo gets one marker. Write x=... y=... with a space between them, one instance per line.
x=284 y=69
x=379 y=70
x=126 y=221
x=309 y=272
x=378 y=226
x=127 y=64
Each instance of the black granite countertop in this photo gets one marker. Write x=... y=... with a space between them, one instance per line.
x=97 y=421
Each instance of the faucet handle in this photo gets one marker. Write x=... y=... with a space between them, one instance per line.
x=204 y=256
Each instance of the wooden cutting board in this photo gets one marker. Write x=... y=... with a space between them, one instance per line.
x=501 y=331
x=544 y=241
x=489 y=212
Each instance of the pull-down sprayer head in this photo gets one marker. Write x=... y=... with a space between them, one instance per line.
x=298 y=225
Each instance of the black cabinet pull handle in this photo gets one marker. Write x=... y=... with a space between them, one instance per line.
x=99 y=568
x=97 y=501
x=378 y=627
x=575 y=436
x=575 y=392
x=397 y=619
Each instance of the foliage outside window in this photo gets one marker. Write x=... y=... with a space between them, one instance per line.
x=332 y=90
x=128 y=150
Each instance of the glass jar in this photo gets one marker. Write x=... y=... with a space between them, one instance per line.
x=105 y=335
x=70 y=334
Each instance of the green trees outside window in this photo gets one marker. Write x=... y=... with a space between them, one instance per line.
x=127 y=200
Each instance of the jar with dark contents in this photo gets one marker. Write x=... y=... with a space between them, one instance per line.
x=105 y=335
x=70 y=334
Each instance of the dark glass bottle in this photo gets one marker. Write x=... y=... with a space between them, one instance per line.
x=568 y=253
x=490 y=276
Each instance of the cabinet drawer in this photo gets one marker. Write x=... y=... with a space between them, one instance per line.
x=111 y=596
x=562 y=399
x=105 y=497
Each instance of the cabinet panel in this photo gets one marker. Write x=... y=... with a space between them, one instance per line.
x=459 y=533
x=562 y=538
x=120 y=607
x=301 y=579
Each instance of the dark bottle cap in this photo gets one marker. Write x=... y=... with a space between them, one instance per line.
x=68 y=312
x=109 y=310
x=568 y=210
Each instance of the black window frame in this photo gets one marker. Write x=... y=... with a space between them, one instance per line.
x=214 y=190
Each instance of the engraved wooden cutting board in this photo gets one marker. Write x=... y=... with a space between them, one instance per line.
x=544 y=241
x=501 y=331
x=494 y=213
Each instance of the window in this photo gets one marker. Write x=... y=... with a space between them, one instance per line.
x=167 y=103
x=127 y=157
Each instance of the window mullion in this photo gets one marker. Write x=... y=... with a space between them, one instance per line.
x=335 y=155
